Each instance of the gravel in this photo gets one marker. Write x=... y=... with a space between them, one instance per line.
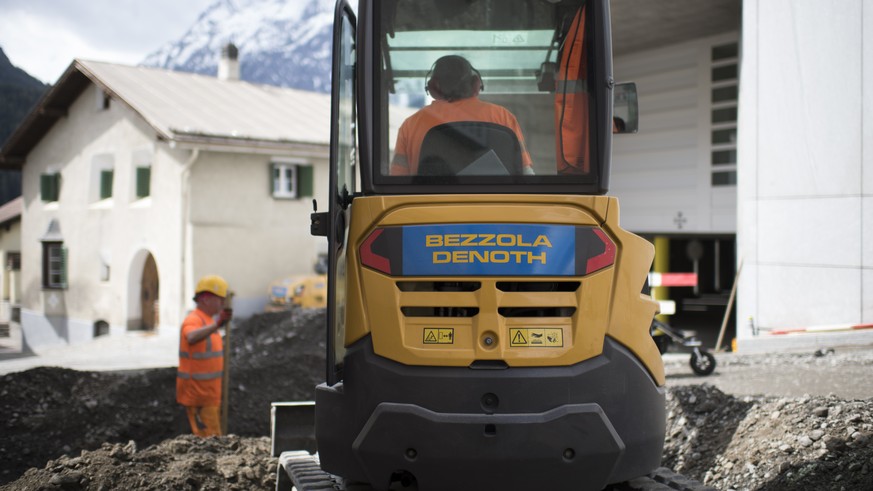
x=70 y=430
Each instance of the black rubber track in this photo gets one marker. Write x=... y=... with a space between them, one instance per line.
x=301 y=470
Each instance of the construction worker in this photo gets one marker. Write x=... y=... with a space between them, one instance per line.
x=455 y=86
x=571 y=101
x=201 y=357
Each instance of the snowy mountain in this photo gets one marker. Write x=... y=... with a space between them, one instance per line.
x=281 y=42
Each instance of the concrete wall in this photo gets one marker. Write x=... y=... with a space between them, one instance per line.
x=806 y=164
x=662 y=174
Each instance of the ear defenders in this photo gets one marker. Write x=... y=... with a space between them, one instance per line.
x=467 y=67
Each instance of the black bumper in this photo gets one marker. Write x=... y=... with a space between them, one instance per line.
x=576 y=428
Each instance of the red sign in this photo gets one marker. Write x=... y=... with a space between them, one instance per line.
x=672 y=279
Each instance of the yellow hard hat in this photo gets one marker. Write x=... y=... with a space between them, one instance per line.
x=213 y=284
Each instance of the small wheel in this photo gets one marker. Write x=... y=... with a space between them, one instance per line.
x=702 y=362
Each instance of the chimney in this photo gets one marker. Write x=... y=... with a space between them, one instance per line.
x=228 y=65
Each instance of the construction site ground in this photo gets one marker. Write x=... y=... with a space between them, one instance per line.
x=73 y=419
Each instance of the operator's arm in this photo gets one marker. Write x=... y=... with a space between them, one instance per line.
x=399 y=166
x=400 y=162
x=526 y=162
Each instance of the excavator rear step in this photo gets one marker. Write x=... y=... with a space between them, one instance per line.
x=301 y=471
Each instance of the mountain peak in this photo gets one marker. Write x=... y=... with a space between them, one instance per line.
x=281 y=42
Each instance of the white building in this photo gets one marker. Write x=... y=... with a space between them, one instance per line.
x=755 y=149
x=805 y=190
x=138 y=181
x=10 y=262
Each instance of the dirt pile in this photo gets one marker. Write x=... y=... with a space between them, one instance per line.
x=274 y=357
x=765 y=443
x=50 y=412
x=87 y=430
x=181 y=463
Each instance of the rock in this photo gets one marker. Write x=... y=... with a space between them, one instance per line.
x=816 y=435
x=805 y=441
x=821 y=411
x=67 y=479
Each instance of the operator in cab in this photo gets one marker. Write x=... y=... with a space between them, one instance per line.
x=455 y=86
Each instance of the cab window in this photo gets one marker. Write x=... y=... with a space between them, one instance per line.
x=485 y=91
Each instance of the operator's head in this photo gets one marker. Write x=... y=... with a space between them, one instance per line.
x=453 y=78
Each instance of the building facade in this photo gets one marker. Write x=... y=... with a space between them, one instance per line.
x=805 y=189
x=147 y=180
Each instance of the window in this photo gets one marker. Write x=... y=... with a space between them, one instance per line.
x=102 y=177
x=140 y=185
x=725 y=93
x=532 y=60
x=290 y=180
x=143 y=182
x=50 y=186
x=106 y=177
x=13 y=261
x=54 y=265
x=103 y=100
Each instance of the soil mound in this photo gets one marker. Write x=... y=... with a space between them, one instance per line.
x=766 y=443
x=74 y=430
x=53 y=411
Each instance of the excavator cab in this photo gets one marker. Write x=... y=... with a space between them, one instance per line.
x=486 y=326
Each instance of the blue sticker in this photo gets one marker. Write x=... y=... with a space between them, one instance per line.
x=279 y=291
x=489 y=249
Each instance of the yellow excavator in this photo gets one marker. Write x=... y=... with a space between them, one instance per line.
x=486 y=328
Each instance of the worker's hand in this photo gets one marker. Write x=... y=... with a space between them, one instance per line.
x=224 y=317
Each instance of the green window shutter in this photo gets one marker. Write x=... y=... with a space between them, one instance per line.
x=143 y=181
x=63 y=267
x=274 y=178
x=305 y=181
x=45 y=187
x=49 y=185
x=106 y=184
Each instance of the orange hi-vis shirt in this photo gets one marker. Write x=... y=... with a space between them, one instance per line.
x=412 y=131
x=201 y=365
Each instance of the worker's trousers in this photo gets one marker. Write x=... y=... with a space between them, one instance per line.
x=205 y=421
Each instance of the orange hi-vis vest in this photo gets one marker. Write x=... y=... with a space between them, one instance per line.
x=198 y=380
x=414 y=128
x=571 y=101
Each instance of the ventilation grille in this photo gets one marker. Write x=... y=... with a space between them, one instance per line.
x=439 y=311
x=538 y=286
x=536 y=311
x=438 y=286
x=453 y=306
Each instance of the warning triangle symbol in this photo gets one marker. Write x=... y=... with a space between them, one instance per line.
x=431 y=337
x=519 y=338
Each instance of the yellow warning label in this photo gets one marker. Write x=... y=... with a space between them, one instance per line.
x=442 y=335
x=536 y=337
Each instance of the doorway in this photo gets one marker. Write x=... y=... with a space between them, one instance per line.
x=149 y=294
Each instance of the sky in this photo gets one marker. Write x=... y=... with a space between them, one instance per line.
x=42 y=37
